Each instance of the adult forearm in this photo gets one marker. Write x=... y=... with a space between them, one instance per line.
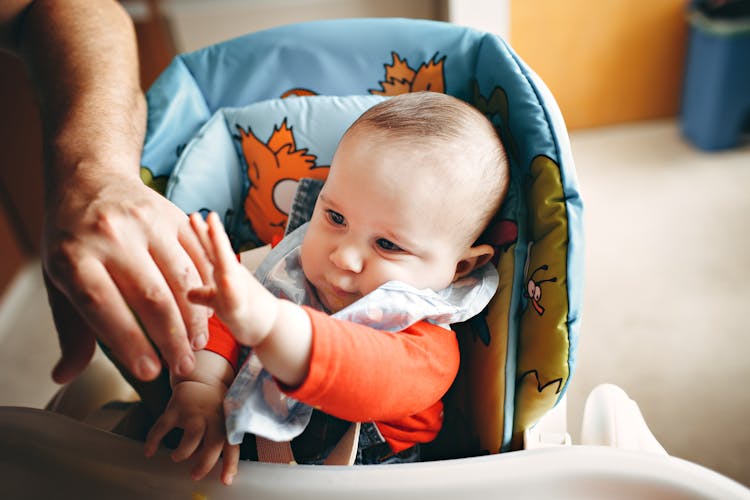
x=83 y=58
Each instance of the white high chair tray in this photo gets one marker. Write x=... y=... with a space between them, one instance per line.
x=46 y=455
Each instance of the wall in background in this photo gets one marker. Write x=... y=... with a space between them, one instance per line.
x=484 y=15
x=605 y=62
x=196 y=24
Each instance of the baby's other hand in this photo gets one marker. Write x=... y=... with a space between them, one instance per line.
x=196 y=408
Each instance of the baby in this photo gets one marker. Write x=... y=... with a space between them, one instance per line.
x=412 y=186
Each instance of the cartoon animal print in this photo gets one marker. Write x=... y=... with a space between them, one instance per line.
x=400 y=78
x=533 y=290
x=542 y=364
x=274 y=169
x=496 y=107
x=555 y=384
x=501 y=234
x=299 y=92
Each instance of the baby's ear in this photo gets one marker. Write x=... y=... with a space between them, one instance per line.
x=473 y=258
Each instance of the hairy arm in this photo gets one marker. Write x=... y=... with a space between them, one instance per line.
x=83 y=59
x=111 y=246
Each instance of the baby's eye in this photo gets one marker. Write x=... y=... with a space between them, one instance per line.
x=335 y=218
x=388 y=245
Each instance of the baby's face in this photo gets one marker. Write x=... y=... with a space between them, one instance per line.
x=369 y=228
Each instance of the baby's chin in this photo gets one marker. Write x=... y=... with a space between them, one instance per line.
x=332 y=302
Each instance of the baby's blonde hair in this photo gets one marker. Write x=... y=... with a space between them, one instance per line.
x=443 y=124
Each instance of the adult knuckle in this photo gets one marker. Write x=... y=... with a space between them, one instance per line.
x=106 y=224
x=61 y=258
x=183 y=275
x=156 y=297
x=89 y=297
x=139 y=213
x=188 y=276
x=197 y=320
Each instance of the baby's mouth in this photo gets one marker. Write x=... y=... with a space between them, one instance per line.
x=336 y=298
x=340 y=292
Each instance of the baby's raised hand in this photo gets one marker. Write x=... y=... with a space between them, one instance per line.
x=196 y=407
x=241 y=302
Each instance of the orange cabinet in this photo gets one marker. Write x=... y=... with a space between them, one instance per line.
x=605 y=61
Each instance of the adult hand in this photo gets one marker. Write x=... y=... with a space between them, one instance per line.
x=115 y=252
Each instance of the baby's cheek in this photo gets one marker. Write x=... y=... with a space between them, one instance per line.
x=307 y=261
x=434 y=278
x=374 y=277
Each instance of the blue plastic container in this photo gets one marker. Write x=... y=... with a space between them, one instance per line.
x=716 y=95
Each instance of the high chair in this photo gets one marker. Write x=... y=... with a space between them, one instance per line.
x=234 y=128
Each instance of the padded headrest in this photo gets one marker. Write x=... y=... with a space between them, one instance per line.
x=245 y=163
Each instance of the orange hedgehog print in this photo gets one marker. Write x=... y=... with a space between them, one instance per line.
x=274 y=169
x=400 y=78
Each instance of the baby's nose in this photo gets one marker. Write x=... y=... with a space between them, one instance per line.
x=348 y=258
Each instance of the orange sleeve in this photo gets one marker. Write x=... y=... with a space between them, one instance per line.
x=361 y=374
x=222 y=342
x=405 y=432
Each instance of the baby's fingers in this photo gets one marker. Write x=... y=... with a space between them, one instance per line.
x=200 y=228
x=206 y=458
x=191 y=439
x=205 y=295
x=230 y=459
x=225 y=257
x=157 y=433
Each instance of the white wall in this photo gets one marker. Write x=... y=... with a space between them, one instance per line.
x=196 y=24
x=484 y=15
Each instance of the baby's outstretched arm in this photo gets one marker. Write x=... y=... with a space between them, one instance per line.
x=278 y=330
x=196 y=407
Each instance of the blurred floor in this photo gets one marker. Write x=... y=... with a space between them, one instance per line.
x=668 y=232
x=667 y=281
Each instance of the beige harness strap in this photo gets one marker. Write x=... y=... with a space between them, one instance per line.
x=274 y=452
x=346 y=450
x=344 y=453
